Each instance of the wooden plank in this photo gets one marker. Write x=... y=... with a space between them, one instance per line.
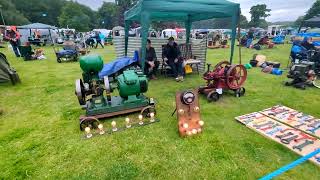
x=101 y=116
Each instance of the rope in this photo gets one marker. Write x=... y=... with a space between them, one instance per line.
x=290 y=166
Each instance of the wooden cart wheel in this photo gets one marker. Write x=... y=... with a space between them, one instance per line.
x=147 y=110
x=222 y=64
x=90 y=122
x=80 y=92
x=236 y=76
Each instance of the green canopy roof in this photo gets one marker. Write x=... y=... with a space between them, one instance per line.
x=187 y=11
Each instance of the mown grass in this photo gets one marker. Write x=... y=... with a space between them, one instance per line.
x=40 y=137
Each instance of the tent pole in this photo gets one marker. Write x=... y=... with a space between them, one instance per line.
x=188 y=28
x=126 y=37
x=145 y=19
x=300 y=27
x=235 y=20
x=239 y=36
x=50 y=36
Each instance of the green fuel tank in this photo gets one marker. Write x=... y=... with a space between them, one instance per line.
x=91 y=63
x=130 y=83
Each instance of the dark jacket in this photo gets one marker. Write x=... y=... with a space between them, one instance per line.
x=13 y=38
x=151 y=54
x=250 y=35
x=307 y=45
x=172 y=52
x=97 y=37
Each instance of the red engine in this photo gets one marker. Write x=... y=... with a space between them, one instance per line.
x=224 y=77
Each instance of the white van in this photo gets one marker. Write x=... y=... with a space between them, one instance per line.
x=169 y=33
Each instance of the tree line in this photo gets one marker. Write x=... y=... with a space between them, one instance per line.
x=313 y=11
x=64 y=13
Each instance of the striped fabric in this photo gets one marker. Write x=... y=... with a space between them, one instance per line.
x=199 y=48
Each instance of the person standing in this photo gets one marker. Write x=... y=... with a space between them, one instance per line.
x=14 y=38
x=250 y=38
x=102 y=37
x=98 y=40
x=173 y=55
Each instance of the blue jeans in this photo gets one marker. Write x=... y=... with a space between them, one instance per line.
x=249 y=41
x=176 y=68
x=15 y=49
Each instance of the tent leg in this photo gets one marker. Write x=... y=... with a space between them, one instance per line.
x=235 y=20
x=188 y=28
x=239 y=36
x=145 y=29
x=126 y=36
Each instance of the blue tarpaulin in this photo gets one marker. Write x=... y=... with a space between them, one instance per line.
x=297 y=49
x=118 y=64
x=278 y=40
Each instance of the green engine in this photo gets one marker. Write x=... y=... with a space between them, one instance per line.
x=95 y=94
x=132 y=83
x=91 y=66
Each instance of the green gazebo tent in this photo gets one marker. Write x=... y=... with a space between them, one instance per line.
x=187 y=11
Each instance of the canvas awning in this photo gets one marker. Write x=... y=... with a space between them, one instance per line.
x=37 y=26
x=187 y=11
x=312 y=22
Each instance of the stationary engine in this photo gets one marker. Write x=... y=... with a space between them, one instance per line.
x=223 y=77
x=301 y=74
x=94 y=94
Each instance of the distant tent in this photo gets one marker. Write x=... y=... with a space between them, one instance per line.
x=37 y=26
x=312 y=22
x=7 y=73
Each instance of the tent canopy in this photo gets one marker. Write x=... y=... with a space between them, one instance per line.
x=312 y=22
x=187 y=11
x=37 y=26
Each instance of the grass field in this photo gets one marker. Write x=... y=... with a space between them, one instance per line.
x=40 y=137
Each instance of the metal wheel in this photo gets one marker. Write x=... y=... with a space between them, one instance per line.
x=222 y=64
x=80 y=92
x=240 y=92
x=59 y=60
x=90 y=122
x=213 y=96
x=147 y=110
x=236 y=76
x=75 y=58
x=316 y=81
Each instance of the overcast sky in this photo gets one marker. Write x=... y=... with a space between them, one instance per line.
x=281 y=10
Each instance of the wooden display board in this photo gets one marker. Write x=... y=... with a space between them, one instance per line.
x=294 y=139
x=188 y=113
x=295 y=119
